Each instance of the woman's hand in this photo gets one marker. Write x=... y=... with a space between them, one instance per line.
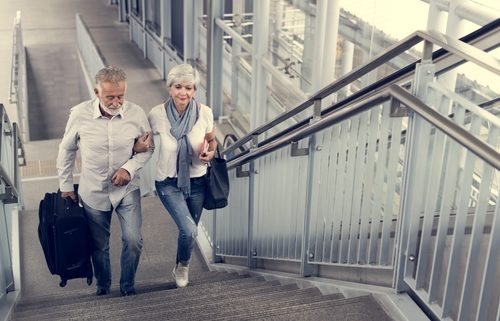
x=143 y=143
x=207 y=156
x=208 y=149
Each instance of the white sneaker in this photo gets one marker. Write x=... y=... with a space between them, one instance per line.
x=180 y=274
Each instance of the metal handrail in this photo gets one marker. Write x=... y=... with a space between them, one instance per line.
x=11 y=183
x=463 y=137
x=21 y=154
x=79 y=20
x=459 y=51
x=10 y=186
x=14 y=77
x=443 y=60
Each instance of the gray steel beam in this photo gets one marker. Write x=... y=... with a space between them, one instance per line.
x=215 y=47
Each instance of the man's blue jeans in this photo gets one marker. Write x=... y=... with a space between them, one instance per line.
x=129 y=214
x=185 y=212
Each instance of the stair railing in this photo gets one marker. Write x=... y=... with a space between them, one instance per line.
x=10 y=195
x=443 y=59
x=337 y=206
x=90 y=57
x=18 y=79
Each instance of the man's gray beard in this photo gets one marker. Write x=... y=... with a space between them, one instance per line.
x=112 y=112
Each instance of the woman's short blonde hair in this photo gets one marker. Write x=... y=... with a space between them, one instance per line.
x=183 y=73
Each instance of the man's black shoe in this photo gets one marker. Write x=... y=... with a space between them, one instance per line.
x=102 y=291
x=128 y=293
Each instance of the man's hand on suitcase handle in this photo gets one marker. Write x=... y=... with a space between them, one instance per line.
x=71 y=195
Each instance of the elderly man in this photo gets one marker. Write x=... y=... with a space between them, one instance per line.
x=104 y=129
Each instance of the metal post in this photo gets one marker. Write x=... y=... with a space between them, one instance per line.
x=215 y=44
x=455 y=28
x=330 y=34
x=238 y=10
x=189 y=25
x=259 y=73
x=347 y=65
x=131 y=22
x=197 y=14
x=319 y=36
x=215 y=258
x=306 y=269
x=251 y=260
x=166 y=28
x=143 y=26
x=163 y=23
x=436 y=18
x=122 y=11
x=407 y=242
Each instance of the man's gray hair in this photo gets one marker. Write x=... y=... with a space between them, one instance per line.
x=110 y=74
x=183 y=73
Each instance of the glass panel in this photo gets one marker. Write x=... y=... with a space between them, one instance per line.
x=177 y=24
x=6 y=276
x=153 y=16
x=136 y=7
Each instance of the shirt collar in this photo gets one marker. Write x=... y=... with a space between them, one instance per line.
x=97 y=110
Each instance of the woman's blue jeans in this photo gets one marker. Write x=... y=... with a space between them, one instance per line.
x=186 y=212
x=129 y=215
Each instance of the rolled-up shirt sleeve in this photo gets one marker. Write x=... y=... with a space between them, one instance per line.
x=138 y=160
x=67 y=154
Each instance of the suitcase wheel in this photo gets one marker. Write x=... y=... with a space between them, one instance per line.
x=63 y=282
x=89 y=280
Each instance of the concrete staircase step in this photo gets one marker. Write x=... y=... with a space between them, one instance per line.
x=209 y=296
x=216 y=305
x=175 y=304
x=233 y=308
x=363 y=308
x=142 y=287
x=240 y=286
x=164 y=300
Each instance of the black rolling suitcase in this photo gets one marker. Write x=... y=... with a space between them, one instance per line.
x=65 y=238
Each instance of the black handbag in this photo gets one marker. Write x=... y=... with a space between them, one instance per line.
x=217 y=190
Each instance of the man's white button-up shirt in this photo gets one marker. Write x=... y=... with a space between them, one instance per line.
x=105 y=146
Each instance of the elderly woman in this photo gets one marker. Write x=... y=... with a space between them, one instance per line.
x=187 y=144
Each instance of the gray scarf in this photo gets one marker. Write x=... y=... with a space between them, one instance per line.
x=180 y=128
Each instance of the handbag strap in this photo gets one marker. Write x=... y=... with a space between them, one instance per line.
x=218 y=152
x=216 y=155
